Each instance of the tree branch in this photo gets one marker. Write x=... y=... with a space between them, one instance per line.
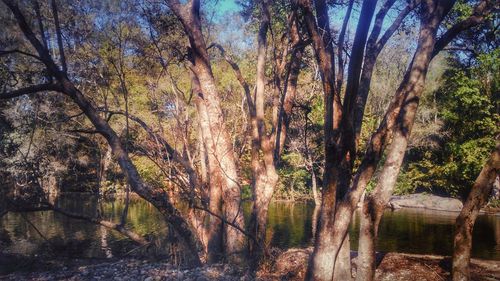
x=59 y=36
x=478 y=16
x=395 y=24
x=8 y=52
x=31 y=90
x=109 y=224
x=228 y=223
x=239 y=76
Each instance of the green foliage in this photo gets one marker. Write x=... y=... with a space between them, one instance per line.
x=149 y=172
x=495 y=203
x=468 y=110
x=294 y=179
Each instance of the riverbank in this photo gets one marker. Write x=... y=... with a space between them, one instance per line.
x=289 y=265
x=424 y=201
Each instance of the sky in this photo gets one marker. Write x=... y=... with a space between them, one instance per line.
x=228 y=6
x=224 y=9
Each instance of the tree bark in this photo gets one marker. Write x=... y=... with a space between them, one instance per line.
x=215 y=179
x=373 y=49
x=374 y=204
x=234 y=240
x=264 y=175
x=477 y=198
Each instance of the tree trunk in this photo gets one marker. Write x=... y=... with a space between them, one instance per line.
x=322 y=262
x=412 y=86
x=314 y=186
x=214 y=180
x=373 y=49
x=325 y=262
x=290 y=89
x=234 y=240
x=264 y=175
x=477 y=198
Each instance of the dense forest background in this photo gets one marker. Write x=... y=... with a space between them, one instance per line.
x=137 y=63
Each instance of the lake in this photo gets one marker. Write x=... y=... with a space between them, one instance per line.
x=290 y=225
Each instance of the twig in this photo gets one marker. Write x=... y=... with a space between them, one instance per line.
x=433 y=271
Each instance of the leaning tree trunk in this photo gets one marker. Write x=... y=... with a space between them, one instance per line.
x=374 y=204
x=156 y=197
x=477 y=198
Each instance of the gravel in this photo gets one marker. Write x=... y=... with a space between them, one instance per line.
x=132 y=269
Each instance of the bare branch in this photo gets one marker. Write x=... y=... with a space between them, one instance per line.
x=8 y=52
x=395 y=24
x=118 y=227
x=239 y=76
x=83 y=131
x=230 y=223
x=31 y=90
x=43 y=52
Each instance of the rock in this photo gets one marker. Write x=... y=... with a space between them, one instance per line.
x=148 y=279
x=426 y=201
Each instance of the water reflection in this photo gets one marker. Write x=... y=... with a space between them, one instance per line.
x=290 y=225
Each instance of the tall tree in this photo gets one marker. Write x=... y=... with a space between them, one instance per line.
x=411 y=88
x=221 y=159
x=264 y=176
x=338 y=136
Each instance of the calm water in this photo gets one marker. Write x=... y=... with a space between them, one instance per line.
x=290 y=225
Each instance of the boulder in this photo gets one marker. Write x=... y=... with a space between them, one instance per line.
x=426 y=201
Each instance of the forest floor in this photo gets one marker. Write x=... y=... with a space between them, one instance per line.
x=291 y=265
x=287 y=266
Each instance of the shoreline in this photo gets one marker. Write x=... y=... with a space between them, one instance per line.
x=289 y=265
x=414 y=201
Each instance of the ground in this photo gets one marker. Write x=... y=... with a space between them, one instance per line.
x=291 y=265
x=287 y=266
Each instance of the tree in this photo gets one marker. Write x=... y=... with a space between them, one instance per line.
x=339 y=135
x=477 y=198
x=412 y=85
x=62 y=84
